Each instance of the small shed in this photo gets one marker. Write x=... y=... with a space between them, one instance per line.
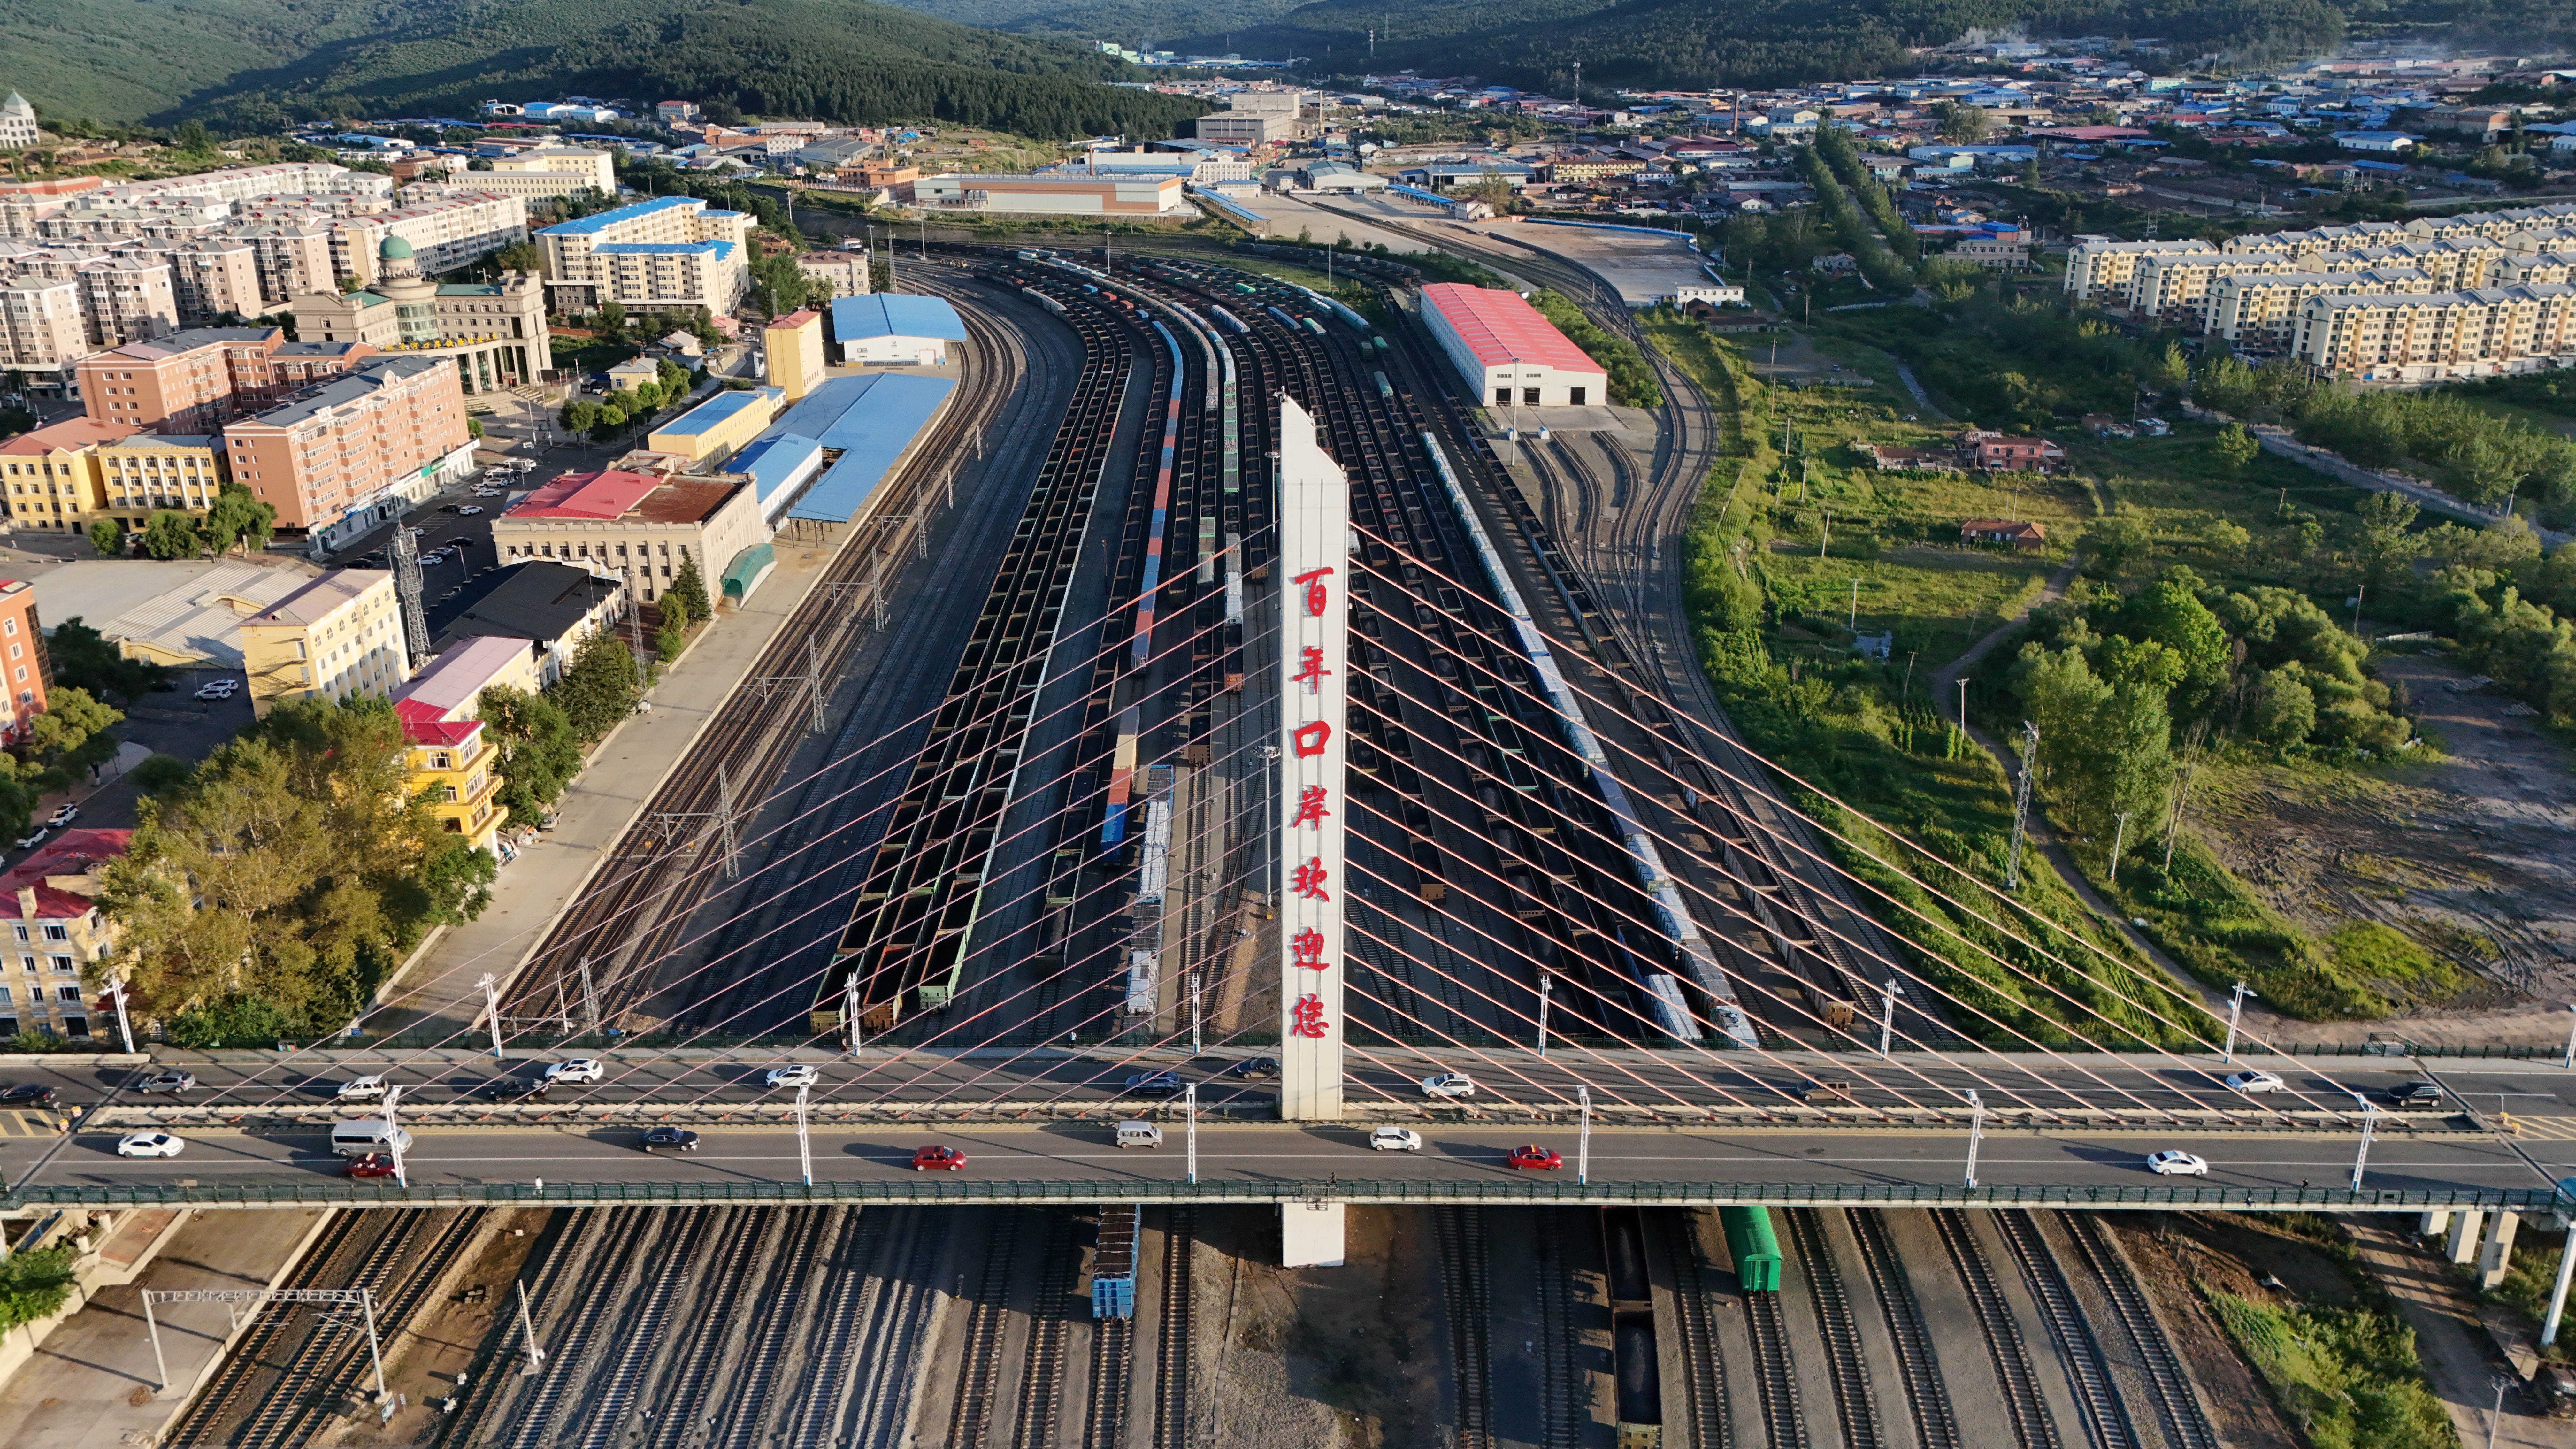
x=2008 y=531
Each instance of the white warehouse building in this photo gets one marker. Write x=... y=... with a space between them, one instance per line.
x=1507 y=353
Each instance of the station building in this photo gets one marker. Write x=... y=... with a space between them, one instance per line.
x=640 y=528
x=1146 y=194
x=1506 y=353
x=894 y=328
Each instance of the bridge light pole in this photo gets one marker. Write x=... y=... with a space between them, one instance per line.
x=1583 y=1143
x=2558 y=1294
x=393 y=1134
x=1887 y=1018
x=2235 y=1011
x=492 y=1010
x=1976 y=1132
x=804 y=1145
x=1190 y=1104
x=850 y=1010
x=2569 y=1060
x=1546 y=987
x=125 y=1029
x=2369 y=1123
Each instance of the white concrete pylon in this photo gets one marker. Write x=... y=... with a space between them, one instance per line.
x=1314 y=633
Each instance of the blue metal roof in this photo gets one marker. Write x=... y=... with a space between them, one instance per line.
x=717 y=409
x=659 y=249
x=895 y=314
x=777 y=460
x=601 y=221
x=869 y=438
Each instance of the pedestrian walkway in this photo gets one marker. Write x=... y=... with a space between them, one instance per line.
x=90 y=1383
x=437 y=992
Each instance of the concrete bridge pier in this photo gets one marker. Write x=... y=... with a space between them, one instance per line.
x=2495 y=1255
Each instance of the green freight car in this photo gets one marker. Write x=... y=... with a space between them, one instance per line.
x=1750 y=1242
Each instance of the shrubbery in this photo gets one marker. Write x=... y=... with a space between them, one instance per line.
x=1632 y=382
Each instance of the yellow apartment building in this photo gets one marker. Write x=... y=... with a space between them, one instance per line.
x=341 y=634
x=451 y=762
x=52 y=474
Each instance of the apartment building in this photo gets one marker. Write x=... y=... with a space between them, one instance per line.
x=2481 y=332
x=215 y=277
x=52 y=474
x=2104 y=273
x=2537 y=267
x=42 y=330
x=2260 y=312
x=444 y=232
x=198 y=380
x=17 y=123
x=637 y=527
x=293 y=258
x=839 y=274
x=24 y=203
x=494 y=332
x=340 y=634
x=127 y=299
x=50 y=901
x=147 y=471
x=340 y=458
x=454 y=762
x=669 y=254
x=541 y=174
x=26 y=673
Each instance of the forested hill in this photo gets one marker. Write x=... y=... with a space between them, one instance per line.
x=1656 y=44
x=252 y=65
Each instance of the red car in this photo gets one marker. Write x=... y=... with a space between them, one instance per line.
x=371 y=1165
x=1537 y=1159
x=942 y=1157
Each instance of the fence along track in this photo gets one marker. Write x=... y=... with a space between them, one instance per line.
x=1466 y=1285
x=1702 y=1369
x=979 y=1373
x=2106 y=1418
x=1927 y=1397
x=2013 y=1374
x=2177 y=1409
x=1050 y=1326
x=1853 y=1404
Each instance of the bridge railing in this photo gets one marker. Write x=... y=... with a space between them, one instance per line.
x=341 y=1192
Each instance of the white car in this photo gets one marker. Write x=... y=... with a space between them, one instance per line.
x=468 y=510
x=579 y=1069
x=361 y=1089
x=2173 y=1162
x=33 y=838
x=149 y=1144
x=2255 y=1081
x=799 y=1075
x=1448 y=1084
x=1395 y=1139
x=62 y=817
x=220 y=689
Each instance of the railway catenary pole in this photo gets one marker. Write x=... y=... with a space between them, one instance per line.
x=2568 y=1061
x=393 y=1135
x=2235 y=1011
x=125 y=1027
x=1190 y=1104
x=1887 y=1016
x=850 y=1012
x=804 y=1143
x=2558 y=1294
x=1583 y=1141
x=2369 y=1126
x=375 y=1351
x=528 y=1333
x=1546 y=989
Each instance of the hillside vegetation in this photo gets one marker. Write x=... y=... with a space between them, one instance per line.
x=1694 y=43
x=244 y=66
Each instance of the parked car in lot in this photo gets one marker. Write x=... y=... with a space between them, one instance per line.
x=938 y=1158
x=799 y=1074
x=149 y=1144
x=374 y=1164
x=1395 y=1139
x=1152 y=1084
x=1535 y=1159
x=669 y=1139
x=220 y=689
x=470 y=509
x=1449 y=1084
x=2173 y=1162
x=33 y=838
x=577 y=1070
x=167 y=1082
x=2255 y=1081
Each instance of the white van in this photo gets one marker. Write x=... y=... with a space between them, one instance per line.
x=1139 y=1134
x=372 y=1134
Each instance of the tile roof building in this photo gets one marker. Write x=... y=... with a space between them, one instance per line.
x=50 y=900
x=641 y=528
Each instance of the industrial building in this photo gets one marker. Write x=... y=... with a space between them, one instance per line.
x=822 y=462
x=894 y=328
x=1147 y=194
x=1509 y=355
x=714 y=429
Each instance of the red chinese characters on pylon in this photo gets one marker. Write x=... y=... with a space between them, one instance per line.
x=1306 y=951
x=1306 y=1018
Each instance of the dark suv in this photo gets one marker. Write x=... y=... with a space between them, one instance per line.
x=2414 y=1094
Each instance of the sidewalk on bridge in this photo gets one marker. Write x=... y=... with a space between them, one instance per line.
x=91 y=1382
x=436 y=990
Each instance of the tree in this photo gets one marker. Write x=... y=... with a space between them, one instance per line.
x=2385 y=517
x=674 y=379
x=2235 y=447
x=161 y=775
x=107 y=536
x=2284 y=710
x=35 y=1285
x=2110 y=545
x=599 y=688
x=524 y=256
x=612 y=318
x=579 y=415
x=236 y=516
x=539 y=753
x=1962 y=124
x=170 y=534
x=2170 y=613
x=606 y=423
x=71 y=735
x=692 y=589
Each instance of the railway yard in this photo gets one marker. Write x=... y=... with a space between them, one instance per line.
x=993 y=824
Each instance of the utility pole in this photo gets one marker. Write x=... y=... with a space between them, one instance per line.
x=2021 y=803
x=125 y=1028
x=589 y=997
x=393 y=1134
x=804 y=1145
x=1976 y=1132
x=635 y=641
x=2119 y=838
x=1546 y=988
x=407 y=588
x=1853 y=623
x=850 y=1011
x=1583 y=1142
x=2566 y=1062
x=725 y=822
x=492 y=1009
x=2235 y=1010
x=2357 y=591
x=1887 y=1015
x=2369 y=1124
x=528 y=1333
x=1963 y=706
x=1190 y=1105
x=2558 y=1295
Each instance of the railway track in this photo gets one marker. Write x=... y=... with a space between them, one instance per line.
x=740 y=1240
x=672 y=1263
x=747 y=1392
x=828 y=1373
x=1775 y=1378
x=2032 y=1428
x=604 y=1235
x=1854 y=1405
x=1560 y=1424
x=1042 y=1369
x=1172 y=1331
x=2097 y=1399
x=1927 y=1396
x=1466 y=1285
x=2178 y=1410
x=979 y=1369
x=1703 y=1370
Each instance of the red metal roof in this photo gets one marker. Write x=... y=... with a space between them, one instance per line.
x=1500 y=328
x=602 y=495
x=72 y=852
x=448 y=732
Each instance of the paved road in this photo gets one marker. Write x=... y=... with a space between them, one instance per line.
x=1082 y=1152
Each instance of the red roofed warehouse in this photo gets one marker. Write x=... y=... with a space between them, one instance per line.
x=56 y=928
x=1509 y=355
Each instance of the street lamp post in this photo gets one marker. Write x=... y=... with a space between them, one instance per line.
x=804 y=1144
x=1976 y=1133
x=1546 y=988
x=125 y=1027
x=1887 y=1017
x=850 y=1011
x=1190 y=1105
x=393 y=1135
x=2235 y=1011
x=1583 y=1143
x=492 y=1009
x=2369 y=1125
x=2569 y=1060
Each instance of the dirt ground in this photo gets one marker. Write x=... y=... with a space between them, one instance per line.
x=2229 y=1390
x=424 y=1359
x=2473 y=856
x=1354 y=1357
